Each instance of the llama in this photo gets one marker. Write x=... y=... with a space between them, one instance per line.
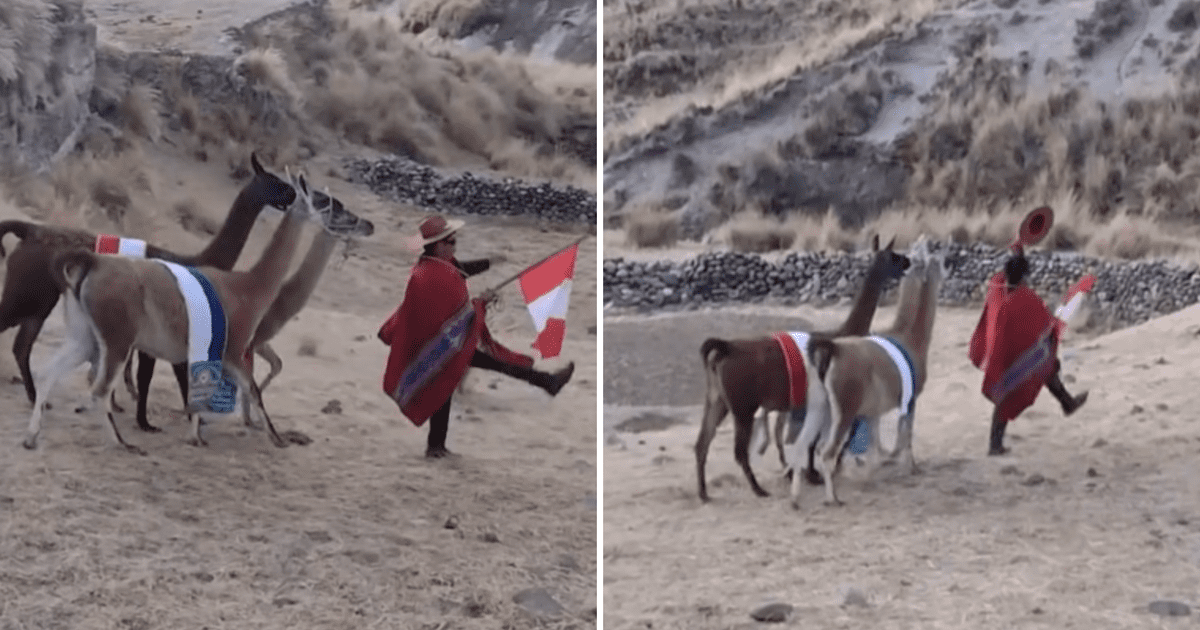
x=293 y=295
x=863 y=376
x=746 y=374
x=30 y=292
x=116 y=304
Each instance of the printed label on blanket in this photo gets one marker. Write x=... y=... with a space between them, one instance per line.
x=209 y=389
x=433 y=357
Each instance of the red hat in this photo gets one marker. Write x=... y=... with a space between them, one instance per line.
x=436 y=228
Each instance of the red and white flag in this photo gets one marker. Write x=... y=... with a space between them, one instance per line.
x=547 y=290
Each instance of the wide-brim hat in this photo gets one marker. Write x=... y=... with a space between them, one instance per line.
x=437 y=227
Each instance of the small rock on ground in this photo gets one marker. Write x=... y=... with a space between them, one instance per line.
x=855 y=597
x=1168 y=608
x=538 y=602
x=774 y=612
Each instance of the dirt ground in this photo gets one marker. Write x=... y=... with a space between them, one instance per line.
x=1089 y=519
x=355 y=530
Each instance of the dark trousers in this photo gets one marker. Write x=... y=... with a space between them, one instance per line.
x=439 y=422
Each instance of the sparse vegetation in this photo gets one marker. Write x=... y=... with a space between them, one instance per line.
x=651 y=227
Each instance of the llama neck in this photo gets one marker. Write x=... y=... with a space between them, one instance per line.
x=267 y=273
x=858 y=322
x=294 y=293
x=223 y=251
x=914 y=321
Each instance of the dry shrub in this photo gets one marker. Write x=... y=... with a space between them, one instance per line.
x=140 y=112
x=755 y=233
x=443 y=17
x=1131 y=237
x=821 y=233
x=192 y=218
x=265 y=69
x=443 y=106
x=26 y=41
x=651 y=227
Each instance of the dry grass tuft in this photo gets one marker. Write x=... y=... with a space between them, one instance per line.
x=651 y=227
x=755 y=233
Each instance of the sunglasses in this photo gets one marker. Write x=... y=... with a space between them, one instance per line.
x=449 y=241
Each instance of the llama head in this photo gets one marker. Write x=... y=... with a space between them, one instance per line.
x=328 y=211
x=337 y=219
x=270 y=188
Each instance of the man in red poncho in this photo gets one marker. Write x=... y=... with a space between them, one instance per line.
x=1016 y=345
x=439 y=331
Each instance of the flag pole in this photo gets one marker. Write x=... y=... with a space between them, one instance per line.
x=556 y=252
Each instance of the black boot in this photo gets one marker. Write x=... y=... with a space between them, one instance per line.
x=999 y=425
x=1070 y=404
x=553 y=383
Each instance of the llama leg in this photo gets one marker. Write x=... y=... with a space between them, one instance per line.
x=265 y=351
x=22 y=348
x=828 y=460
x=196 y=439
x=103 y=389
x=73 y=353
x=715 y=409
x=743 y=427
x=781 y=420
x=252 y=403
x=762 y=424
x=145 y=372
x=903 y=450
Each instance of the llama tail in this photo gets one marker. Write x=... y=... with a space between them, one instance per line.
x=821 y=353
x=14 y=226
x=713 y=350
x=70 y=268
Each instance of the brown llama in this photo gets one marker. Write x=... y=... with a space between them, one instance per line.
x=865 y=376
x=747 y=374
x=117 y=304
x=30 y=292
x=294 y=293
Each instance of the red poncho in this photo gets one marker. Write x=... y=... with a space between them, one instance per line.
x=433 y=335
x=1014 y=344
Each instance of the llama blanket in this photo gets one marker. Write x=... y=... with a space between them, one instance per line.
x=433 y=335
x=109 y=244
x=794 y=345
x=208 y=389
x=1014 y=343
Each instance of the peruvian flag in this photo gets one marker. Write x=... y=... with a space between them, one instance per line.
x=547 y=290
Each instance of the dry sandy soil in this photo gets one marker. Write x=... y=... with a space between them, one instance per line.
x=1089 y=519
x=355 y=530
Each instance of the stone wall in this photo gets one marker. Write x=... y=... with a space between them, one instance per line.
x=1126 y=292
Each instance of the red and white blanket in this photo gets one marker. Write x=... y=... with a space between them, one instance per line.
x=794 y=345
x=110 y=244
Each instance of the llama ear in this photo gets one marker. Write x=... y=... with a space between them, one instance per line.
x=890 y=243
x=254 y=163
x=875 y=243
